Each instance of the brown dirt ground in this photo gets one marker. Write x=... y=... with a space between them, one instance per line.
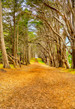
x=37 y=87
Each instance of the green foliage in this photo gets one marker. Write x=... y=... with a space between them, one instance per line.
x=1 y=65
x=25 y=18
x=72 y=71
x=0 y=56
x=37 y=23
x=11 y=65
x=37 y=2
x=31 y=35
x=70 y=59
x=39 y=60
x=23 y=22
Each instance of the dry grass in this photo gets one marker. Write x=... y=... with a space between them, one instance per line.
x=37 y=87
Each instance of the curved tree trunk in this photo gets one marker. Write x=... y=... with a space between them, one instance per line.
x=4 y=54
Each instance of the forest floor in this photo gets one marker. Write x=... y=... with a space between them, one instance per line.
x=36 y=86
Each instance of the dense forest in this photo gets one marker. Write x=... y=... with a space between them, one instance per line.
x=37 y=54
x=37 y=29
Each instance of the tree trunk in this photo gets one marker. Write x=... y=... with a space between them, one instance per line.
x=14 y=35
x=27 y=48
x=59 y=57
x=4 y=54
x=73 y=42
x=16 y=48
x=65 y=57
x=73 y=55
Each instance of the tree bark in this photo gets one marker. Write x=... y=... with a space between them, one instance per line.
x=73 y=42
x=26 y=48
x=14 y=35
x=4 y=54
x=73 y=55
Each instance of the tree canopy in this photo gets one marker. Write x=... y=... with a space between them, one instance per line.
x=42 y=27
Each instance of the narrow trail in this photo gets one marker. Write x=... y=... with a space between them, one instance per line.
x=37 y=87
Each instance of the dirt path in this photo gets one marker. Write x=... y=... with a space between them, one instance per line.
x=37 y=87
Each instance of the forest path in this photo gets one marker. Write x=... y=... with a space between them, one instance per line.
x=37 y=87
